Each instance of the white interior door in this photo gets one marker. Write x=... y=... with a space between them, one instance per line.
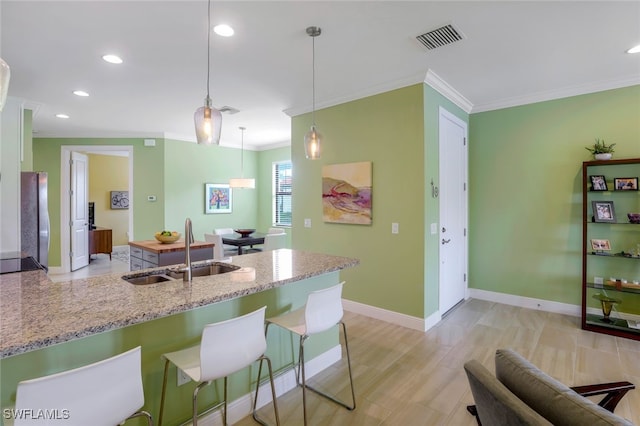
x=79 y=211
x=453 y=210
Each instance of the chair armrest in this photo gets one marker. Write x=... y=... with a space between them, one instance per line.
x=614 y=391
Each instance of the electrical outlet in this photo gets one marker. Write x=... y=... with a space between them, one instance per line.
x=182 y=377
x=307 y=223
x=395 y=228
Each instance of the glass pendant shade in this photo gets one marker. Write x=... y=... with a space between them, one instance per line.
x=208 y=121
x=312 y=144
x=5 y=74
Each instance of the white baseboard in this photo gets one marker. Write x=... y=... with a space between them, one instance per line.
x=55 y=270
x=404 y=320
x=526 y=302
x=241 y=407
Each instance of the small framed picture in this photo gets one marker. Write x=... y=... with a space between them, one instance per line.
x=603 y=211
x=600 y=245
x=217 y=198
x=598 y=183
x=119 y=200
x=625 y=184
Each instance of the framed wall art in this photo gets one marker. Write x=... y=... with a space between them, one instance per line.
x=625 y=184
x=603 y=211
x=119 y=200
x=346 y=193
x=217 y=198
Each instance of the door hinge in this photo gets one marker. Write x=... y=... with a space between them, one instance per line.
x=465 y=278
x=464 y=186
x=70 y=254
x=70 y=162
x=70 y=223
x=465 y=232
x=465 y=141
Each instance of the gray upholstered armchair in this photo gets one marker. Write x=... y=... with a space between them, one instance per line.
x=521 y=394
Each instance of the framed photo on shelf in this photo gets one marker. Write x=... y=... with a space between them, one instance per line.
x=600 y=245
x=603 y=211
x=217 y=198
x=625 y=184
x=598 y=183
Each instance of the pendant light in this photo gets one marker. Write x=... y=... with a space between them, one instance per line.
x=208 y=120
x=242 y=182
x=5 y=74
x=313 y=139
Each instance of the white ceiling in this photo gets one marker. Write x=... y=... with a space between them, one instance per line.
x=513 y=53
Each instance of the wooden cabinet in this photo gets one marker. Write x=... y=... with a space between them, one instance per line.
x=100 y=241
x=151 y=254
x=611 y=247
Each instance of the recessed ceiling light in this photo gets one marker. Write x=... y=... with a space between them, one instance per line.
x=62 y=116
x=80 y=93
x=635 y=49
x=223 y=30
x=112 y=59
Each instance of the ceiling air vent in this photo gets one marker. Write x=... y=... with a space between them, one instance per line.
x=440 y=37
x=229 y=110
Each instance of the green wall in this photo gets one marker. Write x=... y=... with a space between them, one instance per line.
x=386 y=129
x=525 y=189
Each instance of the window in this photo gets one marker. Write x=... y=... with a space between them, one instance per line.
x=282 y=177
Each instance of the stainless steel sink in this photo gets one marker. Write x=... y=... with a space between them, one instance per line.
x=149 y=278
x=163 y=275
x=204 y=270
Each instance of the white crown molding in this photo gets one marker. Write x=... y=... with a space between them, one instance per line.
x=370 y=91
x=566 y=92
x=446 y=90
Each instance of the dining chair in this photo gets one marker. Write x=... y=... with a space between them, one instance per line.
x=225 y=347
x=274 y=241
x=218 y=249
x=228 y=249
x=322 y=311
x=105 y=393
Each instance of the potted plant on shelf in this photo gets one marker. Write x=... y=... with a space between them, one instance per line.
x=600 y=150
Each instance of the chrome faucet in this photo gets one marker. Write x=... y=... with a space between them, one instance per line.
x=188 y=240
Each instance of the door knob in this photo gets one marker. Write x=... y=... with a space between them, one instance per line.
x=445 y=241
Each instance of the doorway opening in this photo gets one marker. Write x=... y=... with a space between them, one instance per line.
x=66 y=195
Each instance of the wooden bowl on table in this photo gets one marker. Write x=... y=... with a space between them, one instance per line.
x=245 y=232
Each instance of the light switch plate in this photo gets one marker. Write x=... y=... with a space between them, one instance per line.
x=434 y=228
x=395 y=228
x=307 y=223
x=182 y=377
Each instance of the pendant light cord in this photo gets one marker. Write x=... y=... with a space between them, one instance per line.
x=208 y=44
x=313 y=80
x=242 y=153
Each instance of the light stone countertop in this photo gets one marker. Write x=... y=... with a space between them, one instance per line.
x=36 y=312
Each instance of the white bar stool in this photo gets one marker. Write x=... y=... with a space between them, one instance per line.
x=322 y=311
x=225 y=347
x=105 y=393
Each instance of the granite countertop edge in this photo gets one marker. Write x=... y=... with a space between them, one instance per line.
x=202 y=285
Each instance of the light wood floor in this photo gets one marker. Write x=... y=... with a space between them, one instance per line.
x=407 y=377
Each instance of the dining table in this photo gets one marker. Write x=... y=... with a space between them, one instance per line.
x=242 y=241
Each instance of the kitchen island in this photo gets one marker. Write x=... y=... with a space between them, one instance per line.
x=47 y=327
x=152 y=253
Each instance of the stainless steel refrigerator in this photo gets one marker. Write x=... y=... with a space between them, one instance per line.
x=34 y=223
